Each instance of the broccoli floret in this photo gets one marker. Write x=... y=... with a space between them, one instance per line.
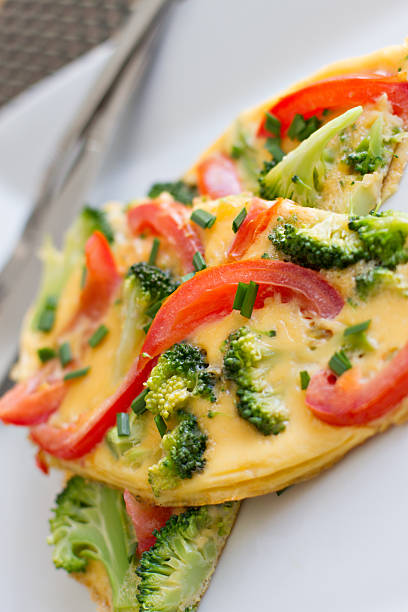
x=377 y=237
x=58 y=265
x=376 y=279
x=320 y=246
x=369 y=155
x=301 y=173
x=144 y=289
x=174 y=572
x=247 y=359
x=181 y=373
x=90 y=522
x=181 y=191
x=184 y=449
x=383 y=236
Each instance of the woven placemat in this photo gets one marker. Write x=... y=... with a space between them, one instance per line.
x=39 y=36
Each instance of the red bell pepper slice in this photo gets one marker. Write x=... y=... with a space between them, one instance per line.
x=210 y=294
x=33 y=401
x=102 y=278
x=217 y=176
x=171 y=220
x=339 y=92
x=41 y=462
x=76 y=439
x=255 y=223
x=145 y=519
x=348 y=400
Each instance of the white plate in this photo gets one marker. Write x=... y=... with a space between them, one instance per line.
x=336 y=543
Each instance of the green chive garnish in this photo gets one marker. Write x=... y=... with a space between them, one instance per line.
x=356 y=329
x=122 y=424
x=249 y=300
x=187 y=277
x=271 y=333
x=339 y=363
x=272 y=124
x=239 y=296
x=160 y=424
x=203 y=218
x=239 y=219
x=65 y=354
x=76 y=373
x=154 y=252
x=199 y=261
x=98 y=336
x=304 y=380
x=46 y=353
x=139 y=403
x=47 y=315
x=273 y=146
x=283 y=490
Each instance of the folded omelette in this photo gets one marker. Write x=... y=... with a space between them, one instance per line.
x=240 y=330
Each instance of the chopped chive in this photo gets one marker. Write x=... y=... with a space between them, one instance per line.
x=83 y=277
x=65 y=354
x=339 y=363
x=283 y=490
x=274 y=147
x=47 y=315
x=239 y=296
x=271 y=333
x=203 y=218
x=160 y=424
x=139 y=403
x=154 y=252
x=239 y=219
x=272 y=124
x=249 y=300
x=123 y=424
x=46 y=353
x=356 y=329
x=76 y=373
x=199 y=261
x=98 y=336
x=304 y=379
x=187 y=277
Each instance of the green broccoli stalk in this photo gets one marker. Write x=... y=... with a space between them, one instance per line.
x=180 y=190
x=181 y=373
x=58 y=265
x=301 y=173
x=325 y=245
x=90 y=522
x=383 y=236
x=175 y=571
x=369 y=155
x=247 y=358
x=184 y=449
x=144 y=289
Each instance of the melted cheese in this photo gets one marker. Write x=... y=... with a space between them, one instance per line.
x=240 y=461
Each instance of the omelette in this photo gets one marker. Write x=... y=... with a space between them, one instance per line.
x=239 y=330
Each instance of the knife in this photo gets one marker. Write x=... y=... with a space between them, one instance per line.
x=74 y=168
